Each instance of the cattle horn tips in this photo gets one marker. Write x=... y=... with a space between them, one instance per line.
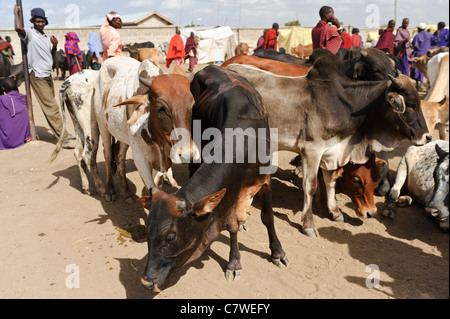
x=146 y=81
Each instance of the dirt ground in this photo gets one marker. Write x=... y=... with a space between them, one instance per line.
x=57 y=242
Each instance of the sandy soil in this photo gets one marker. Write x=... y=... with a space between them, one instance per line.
x=54 y=237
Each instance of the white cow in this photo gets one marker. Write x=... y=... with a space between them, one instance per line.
x=139 y=106
x=424 y=173
x=76 y=93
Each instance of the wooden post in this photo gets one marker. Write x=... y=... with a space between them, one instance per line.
x=27 y=78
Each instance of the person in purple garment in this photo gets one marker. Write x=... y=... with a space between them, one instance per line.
x=421 y=44
x=14 y=120
x=441 y=36
x=402 y=47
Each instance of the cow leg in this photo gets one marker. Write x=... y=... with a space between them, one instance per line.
x=310 y=169
x=110 y=192
x=90 y=157
x=78 y=153
x=121 y=155
x=394 y=194
x=144 y=168
x=277 y=253
x=330 y=186
x=234 y=268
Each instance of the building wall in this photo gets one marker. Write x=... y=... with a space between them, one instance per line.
x=130 y=35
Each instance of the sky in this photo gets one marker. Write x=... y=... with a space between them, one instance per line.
x=234 y=13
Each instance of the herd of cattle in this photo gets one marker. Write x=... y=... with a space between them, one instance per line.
x=340 y=116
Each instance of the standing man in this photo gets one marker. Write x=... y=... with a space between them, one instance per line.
x=191 y=51
x=176 y=51
x=270 y=41
x=73 y=53
x=402 y=47
x=386 y=41
x=440 y=37
x=324 y=35
x=421 y=44
x=41 y=51
x=110 y=36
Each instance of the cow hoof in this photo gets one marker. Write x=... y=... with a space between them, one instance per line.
x=339 y=219
x=110 y=197
x=243 y=226
x=311 y=232
x=278 y=261
x=129 y=200
x=233 y=274
x=389 y=212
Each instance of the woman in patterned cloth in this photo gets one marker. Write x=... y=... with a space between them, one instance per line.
x=73 y=53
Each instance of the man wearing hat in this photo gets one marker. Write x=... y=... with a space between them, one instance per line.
x=41 y=51
x=421 y=44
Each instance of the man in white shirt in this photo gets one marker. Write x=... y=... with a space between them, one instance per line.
x=41 y=51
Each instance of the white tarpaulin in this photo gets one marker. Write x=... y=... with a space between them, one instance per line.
x=214 y=45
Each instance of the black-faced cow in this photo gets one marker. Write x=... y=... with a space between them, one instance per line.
x=423 y=173
x=139 y=106
x=331 y=120
x=217 y=197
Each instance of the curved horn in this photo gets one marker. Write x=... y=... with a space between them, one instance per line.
x=146 y=81
x=397 y=82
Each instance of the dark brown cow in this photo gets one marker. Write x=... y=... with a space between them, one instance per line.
x=273 y=66
x=182 y=225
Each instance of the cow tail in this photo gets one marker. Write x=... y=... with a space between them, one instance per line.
x=61 y=139
x=115 y=145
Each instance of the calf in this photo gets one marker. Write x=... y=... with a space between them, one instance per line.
x=182 y=225
x=302 y=51
x=60 y=64
x=436 y=115
x=242 y=48
x=425 y=171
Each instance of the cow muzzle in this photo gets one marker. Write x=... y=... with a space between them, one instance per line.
x=153 y=286
x=184 y=153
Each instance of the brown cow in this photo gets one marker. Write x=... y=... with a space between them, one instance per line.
x=151 y=54
x=436 y=115
x=242 y=48
x=273 y=66
x=302 y=51
x=420 y=64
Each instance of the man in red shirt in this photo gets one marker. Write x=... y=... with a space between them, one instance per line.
x=325 y=36
x=270 y=42
x=347 y=44
x=386 y=41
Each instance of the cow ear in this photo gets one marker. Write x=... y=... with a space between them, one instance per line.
x=336 y=175
x=207 y=204
x=380 y=162
x=145 y=201
x=396 y=101
x=133 y=107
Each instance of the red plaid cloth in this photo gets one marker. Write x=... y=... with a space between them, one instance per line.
x=326 y=37
x=71 y=46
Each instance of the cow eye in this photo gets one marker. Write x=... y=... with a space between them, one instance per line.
x=161 y=109
x=170 y=238
x=357 y=180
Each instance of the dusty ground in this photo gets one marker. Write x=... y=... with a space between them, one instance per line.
x=49 y=228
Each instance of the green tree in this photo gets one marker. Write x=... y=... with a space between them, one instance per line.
x=295 y=23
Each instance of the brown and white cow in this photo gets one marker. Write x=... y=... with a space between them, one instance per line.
x=331 y=120
x=137 y=105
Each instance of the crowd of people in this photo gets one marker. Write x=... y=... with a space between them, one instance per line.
x=327 y=34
